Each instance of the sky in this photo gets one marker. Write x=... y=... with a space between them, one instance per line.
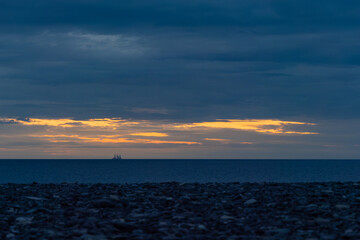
x=201 y=79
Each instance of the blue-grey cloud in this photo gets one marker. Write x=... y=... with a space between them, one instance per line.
x=193 y=60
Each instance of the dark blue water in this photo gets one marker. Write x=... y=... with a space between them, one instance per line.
x=137 y=171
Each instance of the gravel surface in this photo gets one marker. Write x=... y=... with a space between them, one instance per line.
x=180 y=211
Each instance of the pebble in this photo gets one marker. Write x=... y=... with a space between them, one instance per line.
x=325 y=211
x=322 y=220
x=201 y=227
x=225 y=217
x=24 y=220
x=124 y=227
x=250 y=202
x=342 y=206
x=103 y=204
x=10 y=235
x=35 y=198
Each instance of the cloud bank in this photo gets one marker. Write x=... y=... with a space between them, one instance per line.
x=160 y=71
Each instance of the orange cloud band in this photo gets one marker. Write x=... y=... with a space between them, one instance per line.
x=267 y=126
x=67 y=122
x=63 y=138
x=117 y=130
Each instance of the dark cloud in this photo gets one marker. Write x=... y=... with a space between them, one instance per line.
x=191 y=59
x=114 y=14
x=7 y=122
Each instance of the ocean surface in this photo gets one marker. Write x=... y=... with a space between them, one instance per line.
x=139 y=171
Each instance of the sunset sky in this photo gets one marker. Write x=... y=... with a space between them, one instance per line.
x=179 y=79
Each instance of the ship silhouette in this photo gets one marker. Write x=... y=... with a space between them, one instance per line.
x=117 y=157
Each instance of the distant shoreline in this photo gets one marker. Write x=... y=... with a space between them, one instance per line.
x=192 y=159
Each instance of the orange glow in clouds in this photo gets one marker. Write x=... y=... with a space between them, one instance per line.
x=267 y=126
x=67 y=123
x=62 y=138
x=104 y=131
x=150 y=134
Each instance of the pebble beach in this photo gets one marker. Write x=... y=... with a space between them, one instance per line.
x=174 y=210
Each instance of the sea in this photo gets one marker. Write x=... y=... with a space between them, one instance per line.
x=179 y=170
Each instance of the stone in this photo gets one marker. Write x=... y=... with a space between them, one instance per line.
x=103 y=204
x=328 y=237
x=93 y=237
x=180 y=211
x=35 y=198
x=225 y=217
x=114 y=197
x=322 y=220
x=250 y=202
x=124 y=227
x=201 y=227
x=342 y=206
x=10 y=235
x=280 y=231
x=327 y=191
x=24 y=220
